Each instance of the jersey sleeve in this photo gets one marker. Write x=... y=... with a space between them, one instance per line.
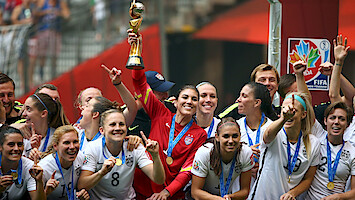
x=352 y=164
x=89 y=163
x=144 y=93
x=247 y=159
x=201 y=162
x=142 y=158
x=318 y=131
x=184 y=175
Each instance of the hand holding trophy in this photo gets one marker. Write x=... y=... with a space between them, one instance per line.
x=135 y=60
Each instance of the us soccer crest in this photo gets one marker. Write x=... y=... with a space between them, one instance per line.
x=314 y=52
x=188 y=139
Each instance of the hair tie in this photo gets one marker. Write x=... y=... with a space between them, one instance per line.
x=299 y=99
x=39 y=99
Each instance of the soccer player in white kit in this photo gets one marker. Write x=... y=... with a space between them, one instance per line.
x=62 y=165
x=207 y=104
x=254 y=102
x=290 y=152
x=15 y=169
x=218 y=164
x=337 y=156
x=109 y=167
x=41 y=111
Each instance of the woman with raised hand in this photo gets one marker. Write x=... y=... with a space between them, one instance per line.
x=217 y=165
x=178 y=135
x=16 y=171
x=207 y=104
x=255 y=103
x=109 y=167
x=62 y=165
x=290 y=153
x=42 y=114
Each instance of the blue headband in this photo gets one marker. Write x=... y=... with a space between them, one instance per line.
x=299 y=99
x=39 y=99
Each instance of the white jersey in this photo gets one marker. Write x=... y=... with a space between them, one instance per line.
x=214 y=128
x=272 y=181
x=28 y=148
x=16 y=190
x=345 y=169
x=117 y=184
x=49 y=165
x=349 y=134
x=202 y=167
x=85 y=142
x=244 y=138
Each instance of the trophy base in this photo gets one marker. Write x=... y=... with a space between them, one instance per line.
x=135 y=63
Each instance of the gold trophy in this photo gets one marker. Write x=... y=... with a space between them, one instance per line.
x=135 y=60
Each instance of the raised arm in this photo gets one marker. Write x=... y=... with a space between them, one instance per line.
x=340 y=53
x=299 y=67
x=131 y=110
x=286 y=114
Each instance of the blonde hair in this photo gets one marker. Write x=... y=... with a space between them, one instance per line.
x=57 y=135
x=307 y=122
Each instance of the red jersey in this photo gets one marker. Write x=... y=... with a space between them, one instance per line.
x=178 y=173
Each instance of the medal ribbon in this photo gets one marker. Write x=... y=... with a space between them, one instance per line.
x=46 y=140
x=290 y=165
x=210 y=129
x=19 y=170
x=173 y=142
x=83 y=138
x=71 y=193
x=257 y=139
x=224 y=189
x=103 y=152
x=331 y=171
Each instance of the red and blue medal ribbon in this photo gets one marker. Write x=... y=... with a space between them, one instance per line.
x=172 y=141
x=19 y=170
x=257 y=139
x=332 y=170
x=46 y=140
x=291 y=164
x=70 y=193
x=224 y=189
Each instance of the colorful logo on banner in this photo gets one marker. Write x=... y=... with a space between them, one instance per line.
x=314 y=52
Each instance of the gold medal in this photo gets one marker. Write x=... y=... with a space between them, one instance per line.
x=169 y=160
x=118 y=162
x=14 y=175
x=289 y=179
x=330 y=185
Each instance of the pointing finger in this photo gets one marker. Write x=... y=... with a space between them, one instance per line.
x=143 y=136
x=53 y=175
x=293 y=100
x=107 y=69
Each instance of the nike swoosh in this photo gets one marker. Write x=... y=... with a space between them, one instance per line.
x=131 y=129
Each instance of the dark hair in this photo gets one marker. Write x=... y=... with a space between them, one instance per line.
x=55 y=115
x=188 y=87
x=330 y=109
x=286 y=81
x=215 y=154
x=107 y=112
x=48 y=86
x=6 y=130
x=4 y=79
x=264 y=67
x=102 y=104
x=261 y=92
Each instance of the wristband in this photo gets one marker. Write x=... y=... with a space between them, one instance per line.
x=117 y=84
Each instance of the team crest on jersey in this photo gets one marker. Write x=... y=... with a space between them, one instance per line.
x=188 y=139
x=129 y=160
x=238 y=168
x=345 y=155
x=196 y=166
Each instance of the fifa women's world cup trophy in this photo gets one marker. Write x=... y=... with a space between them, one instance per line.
x=135 y=60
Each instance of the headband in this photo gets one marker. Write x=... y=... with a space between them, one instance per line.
x=299 y=99
x=39 y=99
x=228 y=123
x=203 y=83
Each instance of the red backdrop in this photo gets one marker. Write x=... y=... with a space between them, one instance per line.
x=90 y=74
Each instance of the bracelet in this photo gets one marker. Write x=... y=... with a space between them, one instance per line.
x=117 y=84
